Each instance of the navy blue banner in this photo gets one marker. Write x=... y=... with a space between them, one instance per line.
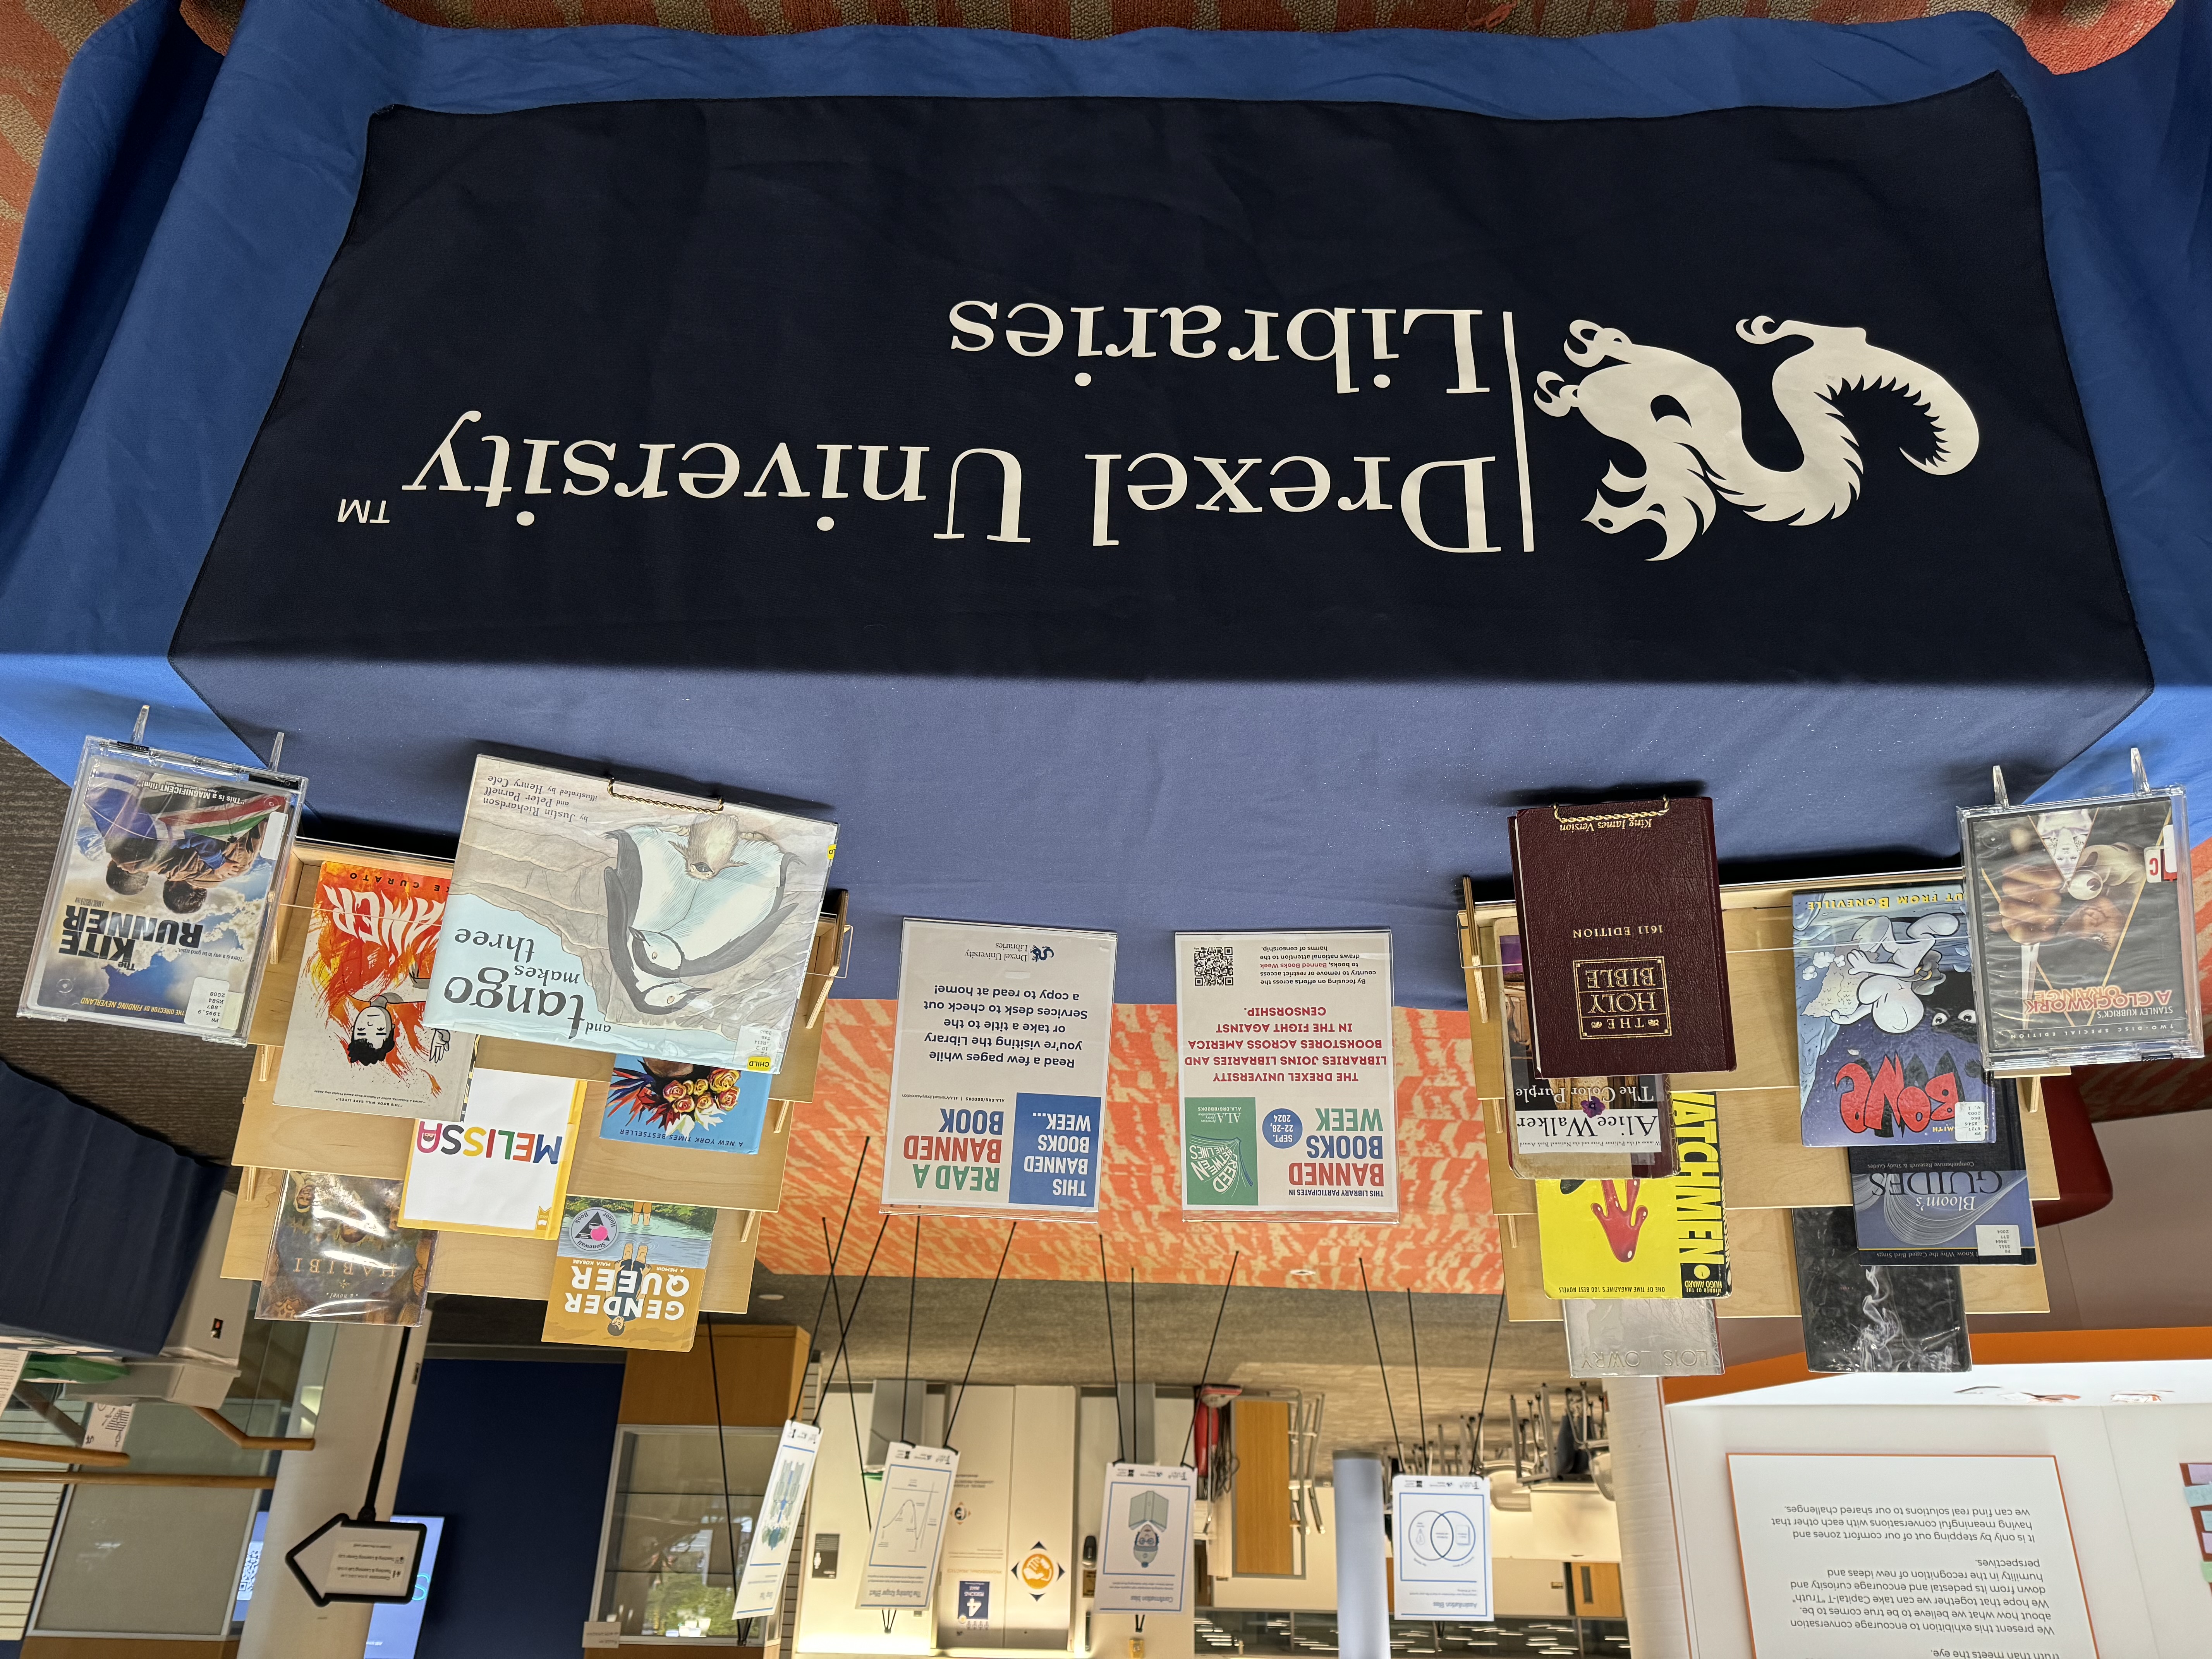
x=1143 y=390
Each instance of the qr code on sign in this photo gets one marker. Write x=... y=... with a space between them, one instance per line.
x=1213 y=966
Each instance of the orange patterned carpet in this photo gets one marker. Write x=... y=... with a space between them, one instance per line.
x=1447 y=1239
x=38 y=37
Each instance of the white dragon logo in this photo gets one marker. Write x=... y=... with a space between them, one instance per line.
x=1691 y=456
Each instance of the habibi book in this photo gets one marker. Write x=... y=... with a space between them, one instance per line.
x=160 y=910
x=628 y=1275
x=357 y=1040
x=1888 y=1043
x=674 y=1103
x=338 y=1252
x=1650 y=1240
x=594 y=915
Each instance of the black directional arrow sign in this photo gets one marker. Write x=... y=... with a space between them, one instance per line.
x=349 y=1560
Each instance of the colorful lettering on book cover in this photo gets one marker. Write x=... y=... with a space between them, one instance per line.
x=373 y=951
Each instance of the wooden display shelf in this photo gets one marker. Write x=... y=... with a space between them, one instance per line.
x=477 y=1264
x=1762 y=1273
x=273 y=1137
x=273 y=1007
x=1767 y=1170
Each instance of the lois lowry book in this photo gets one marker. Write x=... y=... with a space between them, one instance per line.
x=1621 y=937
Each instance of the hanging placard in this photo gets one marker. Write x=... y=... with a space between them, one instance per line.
x=917 y=1491
x=999 y=1077
x=1287 y=1100
x=1440 y=1546
x=1143 y=1540
x=760 y=1586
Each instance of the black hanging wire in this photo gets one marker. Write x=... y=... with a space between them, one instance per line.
x=1106 y=1290
x=1421 y=1406
x=1204 y=1370
x=1497 y=1324
x=844 y=1320
x=844 y=1323
x=1133 y=1353
x=839 y=1249
x=384 y=1437
x=721 y=1448
x=1012 y=1228
x=1380 y=1368
x=913 y=1282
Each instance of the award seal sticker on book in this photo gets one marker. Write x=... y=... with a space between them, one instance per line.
x=600 y=915
x=158 y=914
x=1620 y=908
x=356 y=1041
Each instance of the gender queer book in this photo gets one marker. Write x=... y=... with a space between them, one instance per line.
x=1641 y=1240
x=1949 y=1204
x=673 y=1102
x=1620 y=908
x=1887 y=1050
x=356 y=1041
x=503 y=1169
x=595 y=914
x=628 y=1273
x=338 y=1252
x=2084 y=934
x=1861 y=1316
x=159 y=912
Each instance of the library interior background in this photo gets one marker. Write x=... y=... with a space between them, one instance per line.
x=1126 y=829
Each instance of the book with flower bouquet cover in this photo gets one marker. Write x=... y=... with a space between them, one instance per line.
x=673 y=1102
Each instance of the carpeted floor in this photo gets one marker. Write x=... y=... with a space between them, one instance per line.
x=38 y=37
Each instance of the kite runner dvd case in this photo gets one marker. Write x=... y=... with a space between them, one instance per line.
x=160 y=910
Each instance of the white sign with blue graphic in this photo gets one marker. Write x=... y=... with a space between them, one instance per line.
x=909 y=1536
x=783 y=1511
x=1143 y=1540
x=1440 y=1546
x=998 y=1070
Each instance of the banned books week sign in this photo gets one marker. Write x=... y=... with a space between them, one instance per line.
x=1284 y=1070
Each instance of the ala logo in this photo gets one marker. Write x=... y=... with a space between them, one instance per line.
x=1693 y=452
x=1040 y=953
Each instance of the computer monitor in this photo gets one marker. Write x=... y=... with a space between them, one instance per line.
x=394 y=1627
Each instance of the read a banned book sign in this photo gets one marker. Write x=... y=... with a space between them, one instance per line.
x=1284 y=1075
x=999 y=1072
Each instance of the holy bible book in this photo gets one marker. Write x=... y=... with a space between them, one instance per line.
x=1620 y=936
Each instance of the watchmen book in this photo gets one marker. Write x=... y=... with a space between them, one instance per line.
x=1620 y=907
x=1661 y=1239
